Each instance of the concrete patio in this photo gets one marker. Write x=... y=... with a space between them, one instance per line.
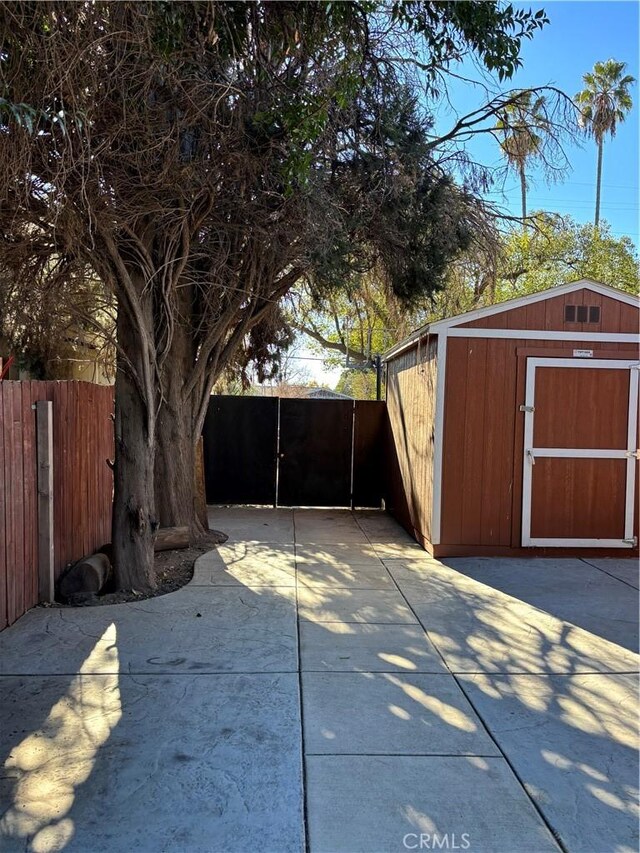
x=323 y=682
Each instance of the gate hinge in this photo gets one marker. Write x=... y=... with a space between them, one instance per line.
x=524 y=408
x=633 y=542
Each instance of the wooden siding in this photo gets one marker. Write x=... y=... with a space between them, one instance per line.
x=548 y=315
x=484 y=435
x=411 y=397
x=82 y=442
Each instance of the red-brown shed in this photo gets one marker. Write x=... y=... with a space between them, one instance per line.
x=514 y=428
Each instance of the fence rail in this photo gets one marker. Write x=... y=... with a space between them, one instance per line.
x=82 y=482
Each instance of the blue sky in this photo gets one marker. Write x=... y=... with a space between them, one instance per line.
x=579 y=34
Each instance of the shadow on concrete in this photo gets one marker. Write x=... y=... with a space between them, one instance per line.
x=169 y=724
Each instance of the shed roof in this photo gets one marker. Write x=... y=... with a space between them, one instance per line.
x=477 y=314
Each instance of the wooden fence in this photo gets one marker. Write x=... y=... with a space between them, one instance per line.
x=82 y=482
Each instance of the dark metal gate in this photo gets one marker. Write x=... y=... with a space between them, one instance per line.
x=315 y=452
x=292 y=452
x=369 y=443
x=240 y=445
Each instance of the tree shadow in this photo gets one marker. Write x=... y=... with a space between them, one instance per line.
x=550 y=680
x=570 y=589
x=172 y=723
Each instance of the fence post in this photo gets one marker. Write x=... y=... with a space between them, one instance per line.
x=44 y=432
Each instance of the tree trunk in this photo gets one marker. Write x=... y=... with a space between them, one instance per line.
x=200 y=495
x=523 y=192
x=175 y=465
x=176 y=441
x=133 y=519
x=598 y=183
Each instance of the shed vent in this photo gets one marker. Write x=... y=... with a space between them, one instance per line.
x=582 y=313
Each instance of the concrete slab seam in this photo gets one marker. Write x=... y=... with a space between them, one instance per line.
x=604 y=571
x=305 y=821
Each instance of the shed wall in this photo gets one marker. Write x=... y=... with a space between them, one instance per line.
x=483 y=434
x=411 y=399
x=548 y=315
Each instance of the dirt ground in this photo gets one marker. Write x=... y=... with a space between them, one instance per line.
x=174 y=569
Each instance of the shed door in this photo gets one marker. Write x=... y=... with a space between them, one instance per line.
x=579 y=452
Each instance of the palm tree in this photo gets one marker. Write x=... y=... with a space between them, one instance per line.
x=603 y=103
x=522 y=124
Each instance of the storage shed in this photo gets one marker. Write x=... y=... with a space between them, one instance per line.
x=513 y=428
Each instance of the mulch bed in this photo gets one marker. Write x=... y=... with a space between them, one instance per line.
x=174 y=569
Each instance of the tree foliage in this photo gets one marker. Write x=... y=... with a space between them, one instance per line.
x=456 y=28
x=554 y=251
x=605 y=100
x=359 y=384
x=350 y=327
x=524 y=126
x=603 y=104
x=561 y=250
x=55 y=320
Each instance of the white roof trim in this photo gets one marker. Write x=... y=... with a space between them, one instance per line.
x=407 y=343
x=510 y=304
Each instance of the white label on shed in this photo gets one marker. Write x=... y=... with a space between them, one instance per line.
x=583 y=353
